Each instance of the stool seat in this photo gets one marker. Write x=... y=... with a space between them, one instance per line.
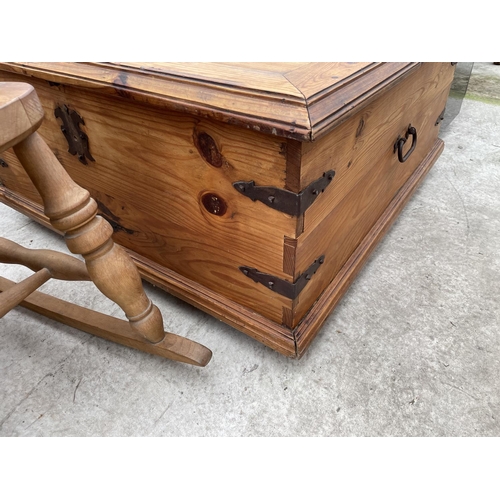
x=20 y=113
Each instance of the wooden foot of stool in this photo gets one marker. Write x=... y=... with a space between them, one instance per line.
x=107 y=327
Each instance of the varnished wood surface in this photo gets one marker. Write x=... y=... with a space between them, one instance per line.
x=20 y=113
x=256 y=326
x=25 y=206
x=330 y=106
x=319 y=312
x=259 y=78
x=17 y=293
x=354 y=147
x=297 y=100
x=345 y=214
x=149 y=179
x=244 y=319
x=72 y=211
x=15 y=180
x=59 y=266
x=362 y=136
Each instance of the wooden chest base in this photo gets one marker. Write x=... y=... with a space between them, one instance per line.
x=290 y=342
x=254 y=192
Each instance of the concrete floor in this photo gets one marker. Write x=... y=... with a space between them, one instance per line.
x=413 y=349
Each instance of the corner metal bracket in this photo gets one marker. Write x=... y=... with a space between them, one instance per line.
x=285 y=201
x=281 y=286
x=78 y=141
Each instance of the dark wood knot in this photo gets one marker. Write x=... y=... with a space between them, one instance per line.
x=214 y=204
x=208 y=149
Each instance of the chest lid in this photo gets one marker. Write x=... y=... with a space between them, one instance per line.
x=296 y=100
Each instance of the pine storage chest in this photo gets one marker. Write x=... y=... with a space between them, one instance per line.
x=254 y=191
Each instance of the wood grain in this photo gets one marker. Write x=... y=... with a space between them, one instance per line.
x=238 y=103
x=72 y=211
x=316 y=316
x=289 y=253
x=248 y=76
x=298 y=101
x=293 y=154
x=59 y=266
x=339 y=230
x=313 y=78
x=14 y=179
x=156 y=200
x=242 y=318
x=20 y=113
x=275 y=336
x=25 y=206
x=356 y=145
x=172 y=135
x=334 y=105
x=15 y=295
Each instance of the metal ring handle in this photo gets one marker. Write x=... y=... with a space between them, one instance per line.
x=401 y=142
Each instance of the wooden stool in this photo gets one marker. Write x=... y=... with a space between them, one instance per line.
x=73 y=212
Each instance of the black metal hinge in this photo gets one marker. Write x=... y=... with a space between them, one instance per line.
x=440 y=118
x=281 y=286
x=78 y=142
x=286 y=201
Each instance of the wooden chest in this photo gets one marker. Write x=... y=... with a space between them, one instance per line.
x=253 y=191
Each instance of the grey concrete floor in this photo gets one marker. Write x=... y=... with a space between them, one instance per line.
x=413 y=349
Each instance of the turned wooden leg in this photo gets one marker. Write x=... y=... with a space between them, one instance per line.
x=72 y=211
x=47 y=264
x=59 y=265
